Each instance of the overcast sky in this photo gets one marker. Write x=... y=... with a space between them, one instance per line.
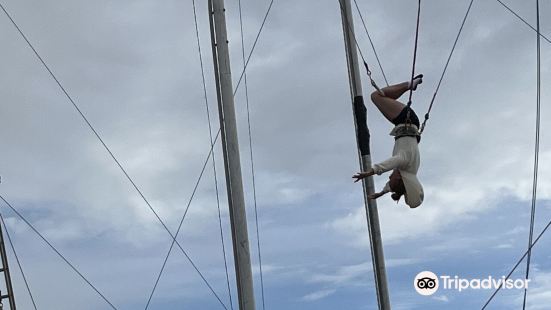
x=133 y=68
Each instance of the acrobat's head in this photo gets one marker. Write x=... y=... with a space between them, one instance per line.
x=406 y=184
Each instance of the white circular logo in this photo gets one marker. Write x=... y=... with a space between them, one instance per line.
x=426 y=283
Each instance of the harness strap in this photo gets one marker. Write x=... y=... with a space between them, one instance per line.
x=408 y=120
x=382 y=93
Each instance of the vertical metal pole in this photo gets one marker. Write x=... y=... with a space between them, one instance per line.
x=232 y=164
x=364 y=153
x=5 y=269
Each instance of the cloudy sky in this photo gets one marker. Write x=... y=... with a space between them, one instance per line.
x=133 y=68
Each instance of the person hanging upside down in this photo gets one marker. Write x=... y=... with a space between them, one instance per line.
x=405 y=159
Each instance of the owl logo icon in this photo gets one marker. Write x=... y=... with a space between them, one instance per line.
x=426 y=283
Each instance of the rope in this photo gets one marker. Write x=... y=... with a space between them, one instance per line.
x=18 y=261
x=198 y=181
x=408 y=120
x=158 y=278
x=516 y=265
x=350 y=31
x=213 y=157
x=536 y=152
x=446 y=66
x=204 y=166
x=523 y=20
x=95 y=132
x=58 y=253
x=371 y=42
x=254 y=45
x=251 y=155
x=174 y=241
x=121 y=167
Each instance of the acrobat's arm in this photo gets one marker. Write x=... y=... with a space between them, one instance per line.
x=385 y=190
x=393 y=162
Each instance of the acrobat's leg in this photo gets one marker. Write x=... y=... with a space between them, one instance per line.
x=388 y=105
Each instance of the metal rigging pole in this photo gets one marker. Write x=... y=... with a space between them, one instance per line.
x=6 y=271
x=230 y=146
x=364 y=152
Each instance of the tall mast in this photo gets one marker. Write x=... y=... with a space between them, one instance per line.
x=232 y=164
x=364 y=153
x=6 y=271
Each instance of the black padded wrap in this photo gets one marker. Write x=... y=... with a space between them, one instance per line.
x=360 y=112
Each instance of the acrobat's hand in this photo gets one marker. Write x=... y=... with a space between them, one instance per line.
x=375 y=195
x=361 y=175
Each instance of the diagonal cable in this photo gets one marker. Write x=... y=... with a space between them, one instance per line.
x=95 y=132
x=212 y=143
x=536 y=151
x=199 y=179
x=453 y=49
x=350 y=29
x=414 y=57
x=59 y=253
x=219 y=131
x=523 y=20
x=178 y=231
x=371 y=42
x=251 y=155
x=446 y=65
x=254 y=45
x=516 y=265
x=18 y=262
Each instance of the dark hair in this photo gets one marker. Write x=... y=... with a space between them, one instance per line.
x=399 y=191
x=396 y=197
